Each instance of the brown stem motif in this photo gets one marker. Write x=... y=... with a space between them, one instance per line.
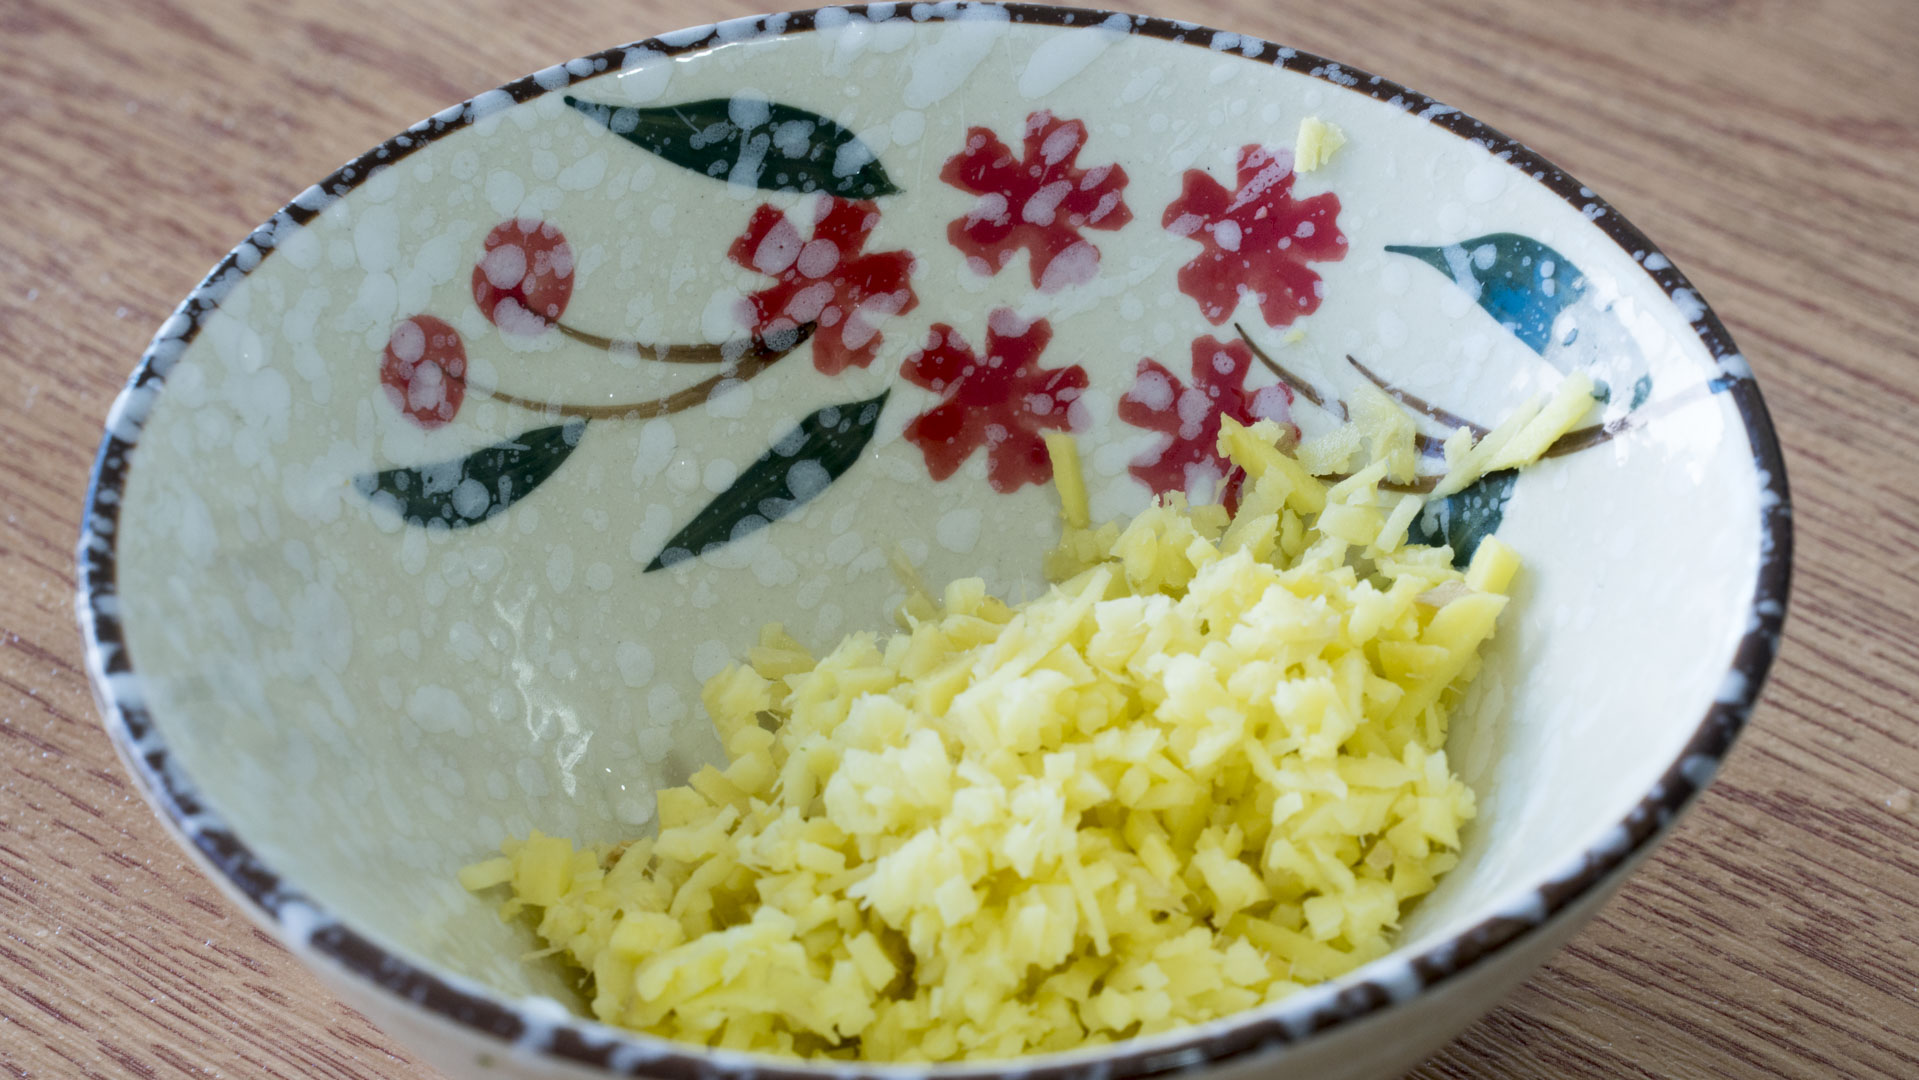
x=1416 y=403
x=1572 y=442
x=665 y=354
x=1418 y=485
x=749 y=359
x=1427 y=445
x=1293 y=382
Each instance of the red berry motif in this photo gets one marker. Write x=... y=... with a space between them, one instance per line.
x=1002 y=401
x=525 y=277
x=1189 y=416
x=424 y=370
x=1256 y=239
x=1038 y=201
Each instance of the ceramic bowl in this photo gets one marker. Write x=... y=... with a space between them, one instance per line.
x=425 y=514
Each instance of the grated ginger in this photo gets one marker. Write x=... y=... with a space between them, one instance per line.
x=1203 y=771
x=1316 y=144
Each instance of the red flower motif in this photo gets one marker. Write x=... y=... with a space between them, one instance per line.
x=524 y=279
x=1001 y=401
x=1189 y=416
x=1039 y=202
x=1258 y=239
x=827 y=280
x=424 y=370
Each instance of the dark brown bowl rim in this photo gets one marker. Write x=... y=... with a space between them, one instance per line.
x=517 y=1026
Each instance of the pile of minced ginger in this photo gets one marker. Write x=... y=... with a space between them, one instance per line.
x=1202 y=771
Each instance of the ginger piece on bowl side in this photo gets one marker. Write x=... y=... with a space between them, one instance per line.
x=1316 y=144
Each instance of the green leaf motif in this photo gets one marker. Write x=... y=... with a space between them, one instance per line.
x=751 y=141
x=469 y=490
x=786 y=477
x=1517 y=280
x=1466 y=517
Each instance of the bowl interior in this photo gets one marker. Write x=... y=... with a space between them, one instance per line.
x=370 y=703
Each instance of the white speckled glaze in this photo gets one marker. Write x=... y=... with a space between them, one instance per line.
x=336 y=709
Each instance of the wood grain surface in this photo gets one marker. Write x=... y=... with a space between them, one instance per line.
x=1770 y=146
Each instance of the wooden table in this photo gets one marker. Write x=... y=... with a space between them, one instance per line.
x=1769 y=145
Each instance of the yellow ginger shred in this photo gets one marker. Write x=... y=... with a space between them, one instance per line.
x=1526 y=433
x=1316 y=144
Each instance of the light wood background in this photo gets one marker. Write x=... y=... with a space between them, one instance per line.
x=1770 y=146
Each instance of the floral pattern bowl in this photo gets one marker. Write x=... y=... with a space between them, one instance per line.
x=425 y=514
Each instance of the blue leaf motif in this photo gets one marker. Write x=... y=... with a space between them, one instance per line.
x=1517 y=280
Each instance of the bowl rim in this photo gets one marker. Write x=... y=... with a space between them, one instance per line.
x=535 y=1026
